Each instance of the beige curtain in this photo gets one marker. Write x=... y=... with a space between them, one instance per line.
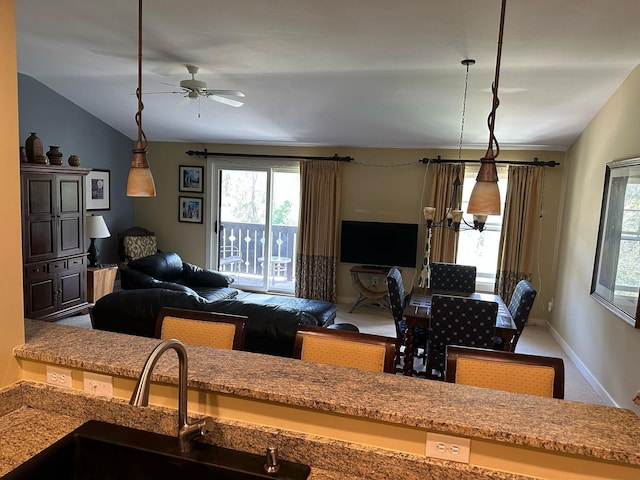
x=519 y=238
x=317 y=245
x=444 y=242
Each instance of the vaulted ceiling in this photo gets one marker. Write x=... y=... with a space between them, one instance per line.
x=337 y=72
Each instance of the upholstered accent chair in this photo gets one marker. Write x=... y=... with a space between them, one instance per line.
x=458 y=321
x=345 y=348
x=500 y=370
x=135 y=243
x=452 y=277
x=520 y=307
x=217 y=330
x=397 y=302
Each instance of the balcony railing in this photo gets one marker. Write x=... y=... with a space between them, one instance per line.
x=242 y=252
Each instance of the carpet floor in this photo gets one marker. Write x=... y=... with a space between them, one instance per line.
x=534 y=340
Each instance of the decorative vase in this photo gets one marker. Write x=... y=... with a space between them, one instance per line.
x=54 y=155
x=74 y=161
x=41 y=159
x=23 y=155
x=33 y=147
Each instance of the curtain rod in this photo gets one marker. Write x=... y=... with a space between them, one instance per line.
x=535 y=161
x=206 y=154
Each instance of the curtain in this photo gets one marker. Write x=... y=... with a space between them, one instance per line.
x=317 y=244
x=518 y=239
x=444 y=241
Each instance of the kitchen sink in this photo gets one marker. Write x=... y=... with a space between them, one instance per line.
x=99 y=450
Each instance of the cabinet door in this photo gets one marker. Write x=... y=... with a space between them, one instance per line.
x=40 y=295
x=70 y=214
x=39 y=229
x=73 y=287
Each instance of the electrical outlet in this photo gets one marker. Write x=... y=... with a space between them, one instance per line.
x=447 y=447
x=59 y=376
x=98 y=384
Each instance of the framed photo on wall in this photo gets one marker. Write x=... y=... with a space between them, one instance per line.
x=191 y=178
x=98 y=190
x=190 y=209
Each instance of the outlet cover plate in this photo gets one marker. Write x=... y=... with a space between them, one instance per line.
x=60 y=377
x=447 y=447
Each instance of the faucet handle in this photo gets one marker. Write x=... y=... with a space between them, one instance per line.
x=272 y=465
x=206 y=425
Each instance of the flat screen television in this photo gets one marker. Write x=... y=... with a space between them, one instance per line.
x=379 y=243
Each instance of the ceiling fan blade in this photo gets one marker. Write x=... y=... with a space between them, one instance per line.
x=226 y=93
x=226 y=101
x=184 y=101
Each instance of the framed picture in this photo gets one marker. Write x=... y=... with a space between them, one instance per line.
x=98 y=190
x=191 y=178
x=190 y=210
x=616 y=272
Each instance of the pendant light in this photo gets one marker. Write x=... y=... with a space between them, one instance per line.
x=485 y=196
x=140 y=182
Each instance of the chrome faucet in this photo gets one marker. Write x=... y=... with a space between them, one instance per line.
x=140 y=397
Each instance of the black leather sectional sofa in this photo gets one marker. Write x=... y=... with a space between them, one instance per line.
x=164 y=280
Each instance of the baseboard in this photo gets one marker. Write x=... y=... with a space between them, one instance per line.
x=582 y=368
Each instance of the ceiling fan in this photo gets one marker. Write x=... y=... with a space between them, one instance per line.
x=192 y=89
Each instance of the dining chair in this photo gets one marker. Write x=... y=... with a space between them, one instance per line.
x=217 y=330
x=345 y=348
x=458 y=321
x=511 y=372
x=520 y=307
x=397 y=302
x=451 y=277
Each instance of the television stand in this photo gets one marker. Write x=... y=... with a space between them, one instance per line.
x=367 y=295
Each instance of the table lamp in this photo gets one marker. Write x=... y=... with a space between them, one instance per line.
x=95 y=228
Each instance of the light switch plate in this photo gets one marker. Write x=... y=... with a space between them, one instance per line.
x=98 y=384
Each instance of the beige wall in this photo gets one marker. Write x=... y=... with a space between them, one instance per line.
x=389 y=185
x=608 y=347
x=10 y=243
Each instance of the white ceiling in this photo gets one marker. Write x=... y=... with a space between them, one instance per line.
x=380 y=73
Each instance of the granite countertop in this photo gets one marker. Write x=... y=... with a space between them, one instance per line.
x=590 y=430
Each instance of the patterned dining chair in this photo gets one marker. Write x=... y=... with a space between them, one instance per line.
x=397 y=302
x=520 y=307
x=451 y=277
x=458 y=321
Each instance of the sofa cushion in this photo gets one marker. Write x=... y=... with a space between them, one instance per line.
x=137 y=247
x=164 y=266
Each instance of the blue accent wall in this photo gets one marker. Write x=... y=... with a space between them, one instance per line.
x=57 y=121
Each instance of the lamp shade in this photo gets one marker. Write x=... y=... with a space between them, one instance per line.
x=95 y=227
x=485 y=199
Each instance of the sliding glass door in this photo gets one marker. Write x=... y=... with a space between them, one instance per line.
x=255 y=224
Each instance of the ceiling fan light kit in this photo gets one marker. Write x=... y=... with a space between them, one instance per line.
x=140 y=180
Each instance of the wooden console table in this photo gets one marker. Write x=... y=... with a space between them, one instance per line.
x=100 y=281
x=365 y=294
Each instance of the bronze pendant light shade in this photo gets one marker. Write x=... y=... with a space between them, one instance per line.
x=485 y=197
x=140 y=181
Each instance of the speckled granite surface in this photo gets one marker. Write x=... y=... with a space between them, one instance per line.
x=563 y=426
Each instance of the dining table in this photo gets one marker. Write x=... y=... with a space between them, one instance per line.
x=417 y=314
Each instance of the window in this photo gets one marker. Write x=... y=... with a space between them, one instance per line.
x=481 y=248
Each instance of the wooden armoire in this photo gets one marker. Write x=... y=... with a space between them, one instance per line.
x=53 y=242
